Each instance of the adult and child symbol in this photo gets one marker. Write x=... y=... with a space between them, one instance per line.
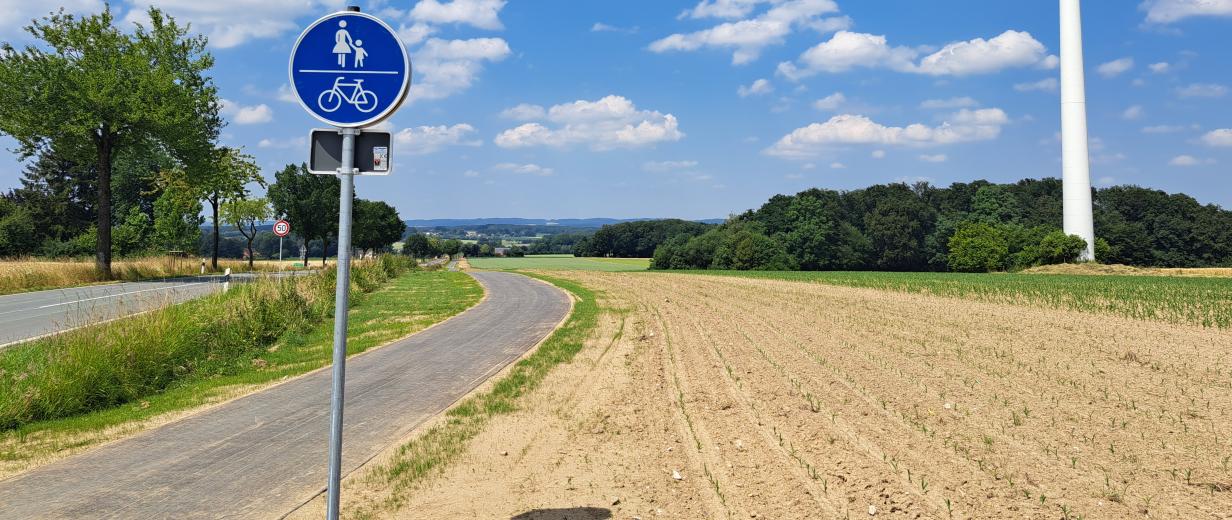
x=344 y=45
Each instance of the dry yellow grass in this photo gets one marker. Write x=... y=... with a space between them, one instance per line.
x=1118 y=269
x=789 y=400
x=32 y=275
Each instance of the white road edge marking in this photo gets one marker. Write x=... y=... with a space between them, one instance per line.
x=122 y=294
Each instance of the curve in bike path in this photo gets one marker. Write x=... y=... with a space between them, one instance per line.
x=262 y=455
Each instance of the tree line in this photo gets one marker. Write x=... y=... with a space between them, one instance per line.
x=423 y=245
x=123 y=129
x=978 y=227
x=636 y=239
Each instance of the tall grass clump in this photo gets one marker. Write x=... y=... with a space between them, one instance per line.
x=127 y=360
x=19 y=275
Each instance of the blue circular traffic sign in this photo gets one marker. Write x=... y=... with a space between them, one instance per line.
x=350 y=69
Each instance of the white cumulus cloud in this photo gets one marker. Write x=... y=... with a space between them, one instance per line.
x=936 y=158
x=727 y=9
x=245 y=115
x=749 y=36
x=605 y=124
x=524 y=112
x=428 y=139
x=830 y=103
x=1221 y=137
x=1188 y=160
x=229 y=23
x=1132 y=113
x=1205 y=90
x=1169 y=11
x=1115 y=68
x=1010 y=49
x=847 y=50
x=16 y=14
x=446 y=67
x=757 y=88
x=962 y=126
x=483 y=14
x=526 y=169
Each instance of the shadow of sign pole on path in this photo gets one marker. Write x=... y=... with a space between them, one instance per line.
x=349 y=70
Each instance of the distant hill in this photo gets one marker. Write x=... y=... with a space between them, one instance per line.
x=564 y=222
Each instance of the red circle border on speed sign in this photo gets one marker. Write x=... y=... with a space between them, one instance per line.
x=282 y=228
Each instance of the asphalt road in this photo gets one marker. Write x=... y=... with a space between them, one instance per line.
x=29 y=315
x=265 y=454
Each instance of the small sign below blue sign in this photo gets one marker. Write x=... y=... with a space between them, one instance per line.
x=350 y=69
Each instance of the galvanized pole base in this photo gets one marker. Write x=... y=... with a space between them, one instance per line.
x=341 y=299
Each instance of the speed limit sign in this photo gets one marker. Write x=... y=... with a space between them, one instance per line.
x=282 y=228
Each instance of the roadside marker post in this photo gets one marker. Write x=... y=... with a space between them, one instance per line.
x=349 y=70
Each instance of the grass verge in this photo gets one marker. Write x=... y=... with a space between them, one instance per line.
x=24 y=275
x=443 y=443
x=407 y=303
x=1205 y=302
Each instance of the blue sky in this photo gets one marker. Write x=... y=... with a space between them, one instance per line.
x=640 y=108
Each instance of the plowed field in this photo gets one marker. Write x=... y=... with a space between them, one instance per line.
x=725 y=397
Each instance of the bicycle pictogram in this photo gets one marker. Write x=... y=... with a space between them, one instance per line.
x=363 y=100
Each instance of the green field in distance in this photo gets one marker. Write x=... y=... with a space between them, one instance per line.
x=562 y=262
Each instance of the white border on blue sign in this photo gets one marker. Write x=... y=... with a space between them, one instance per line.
x=402 y=93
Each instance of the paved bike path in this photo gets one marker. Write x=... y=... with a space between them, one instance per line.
x=262 y=455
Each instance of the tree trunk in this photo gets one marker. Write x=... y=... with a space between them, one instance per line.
x=102 y=258
x=305 y=251
x=252 y=235
x=214 y=204
x=324 y=249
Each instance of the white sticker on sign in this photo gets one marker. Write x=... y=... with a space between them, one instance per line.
x=380 y=158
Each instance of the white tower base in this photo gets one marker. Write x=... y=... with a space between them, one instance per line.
x=1075 y=158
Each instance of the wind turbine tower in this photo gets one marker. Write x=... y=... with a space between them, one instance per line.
x=1075 y=158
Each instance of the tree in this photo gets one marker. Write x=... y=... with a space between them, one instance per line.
x=451 y=247
x=377 y=225
x=16 y=226
x=996 y=204
x=245 y=214
x=132 y=235
x=177 y=214
x=978 y=247
x=1059 y=248
x=745 y=248
x=417 y=245
x=637 y=239
x=309 y=202
x=224 y=178
x=91 y=91
x=59 y=195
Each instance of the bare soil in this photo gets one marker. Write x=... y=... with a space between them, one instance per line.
x=724 y=397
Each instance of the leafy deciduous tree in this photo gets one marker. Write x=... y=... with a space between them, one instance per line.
x=91 y=90
x=245 y=214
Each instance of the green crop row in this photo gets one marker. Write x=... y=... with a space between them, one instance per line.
x=1205 y=302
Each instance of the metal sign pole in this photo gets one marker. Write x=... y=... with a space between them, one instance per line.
x=347 y=175
x=280 y=253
